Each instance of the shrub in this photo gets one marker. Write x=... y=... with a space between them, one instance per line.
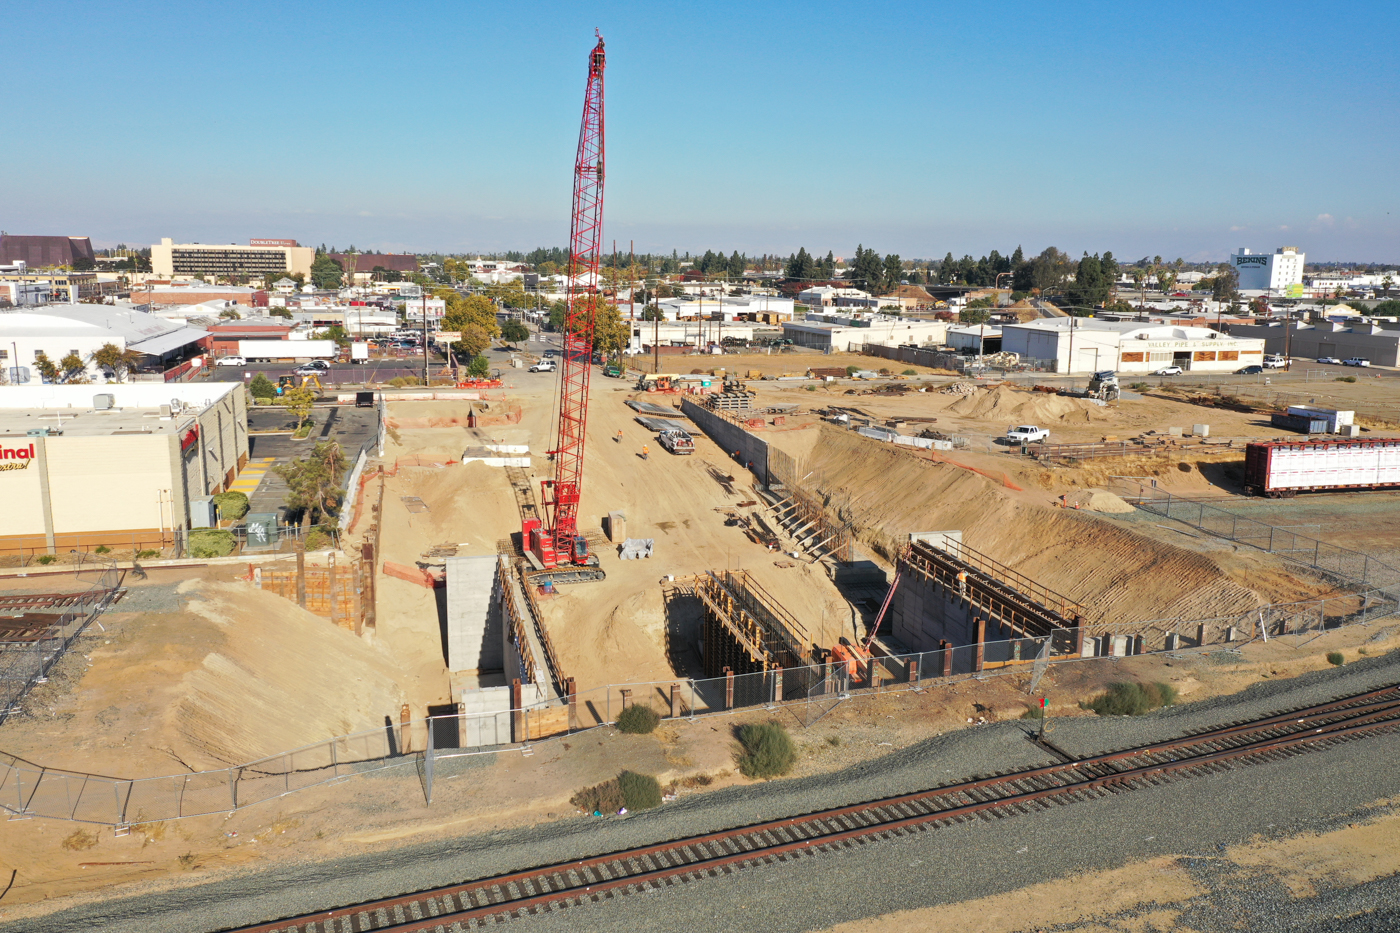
x=1345 y=379
x=1335 y=658
x=910 y=372
x=47 y=558
x=103 y=549
x=1035 y=712
x=210 y=542
x=148 y=553
x=319 y=540
x=1139 y=386
x=231 y=505
x=637 y=719
x=767 y=751
x=629 y=789
x=811 y=388
x=639 y=791
x=79 y=840
x=479 y=368
x=852 y=370
x=601 y=798
x=400 y=382
x=1132 y=699
x=262 y=387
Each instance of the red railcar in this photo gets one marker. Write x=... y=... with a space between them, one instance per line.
x=1281 y=469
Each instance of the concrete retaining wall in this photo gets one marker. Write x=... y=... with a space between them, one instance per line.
x=753 y=451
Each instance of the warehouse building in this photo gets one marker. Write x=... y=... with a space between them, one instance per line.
x=1329 y=338
x=1085 y=345
x=82 y=466
x=60 y=330
x=832 y=334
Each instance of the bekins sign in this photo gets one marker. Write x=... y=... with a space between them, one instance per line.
x=22 y=454
x=1251 y=260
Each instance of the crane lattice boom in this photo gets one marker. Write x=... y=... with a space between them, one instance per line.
x=561 y=497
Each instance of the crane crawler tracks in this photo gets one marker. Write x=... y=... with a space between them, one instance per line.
x=567 y=884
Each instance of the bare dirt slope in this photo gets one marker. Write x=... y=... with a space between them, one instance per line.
x=886 y=493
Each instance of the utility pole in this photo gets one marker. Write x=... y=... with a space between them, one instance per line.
x=425 y=338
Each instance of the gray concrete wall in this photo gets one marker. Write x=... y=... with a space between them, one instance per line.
x=753 y=450
x=474 y=636
x=923 y=611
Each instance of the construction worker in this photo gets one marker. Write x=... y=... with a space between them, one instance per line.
x=619 y=437
x=962 y=582
x=644 y=451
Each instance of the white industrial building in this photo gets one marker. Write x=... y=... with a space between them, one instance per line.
x=770 y=309
x=688 y=333
x=1271 y=273
x=60 y=329
x=82 y=466
x=1086 y=345
x=843 y=335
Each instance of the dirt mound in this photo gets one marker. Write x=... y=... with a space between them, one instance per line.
x=1101 y=500
x=886 y=493
x=274 y=678
x=1008 y=404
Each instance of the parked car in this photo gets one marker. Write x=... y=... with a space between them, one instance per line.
x=550 y=354
x=1274 y=361
x=1168 y=371
x=1329 y=359
x=1026 y=434
x=544 y=366
x=1356 y=361
x=230 y=361
x=1254 y=370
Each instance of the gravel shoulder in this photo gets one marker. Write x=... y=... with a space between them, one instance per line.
x=926 y=869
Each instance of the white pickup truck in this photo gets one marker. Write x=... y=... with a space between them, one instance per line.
x=1025 y=434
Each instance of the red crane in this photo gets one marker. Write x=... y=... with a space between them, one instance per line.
x=555 y=543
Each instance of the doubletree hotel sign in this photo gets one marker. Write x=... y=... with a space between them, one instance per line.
x=16 y=458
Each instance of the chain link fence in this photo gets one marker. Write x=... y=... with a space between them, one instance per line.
x=27 y=655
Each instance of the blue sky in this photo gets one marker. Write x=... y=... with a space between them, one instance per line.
x=918 y=128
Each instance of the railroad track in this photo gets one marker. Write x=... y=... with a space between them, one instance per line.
x=25 y=601
x=568 y=884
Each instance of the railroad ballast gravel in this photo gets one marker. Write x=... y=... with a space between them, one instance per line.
x=949 y=864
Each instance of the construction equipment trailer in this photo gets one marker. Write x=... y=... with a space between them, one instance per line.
x=553 y=545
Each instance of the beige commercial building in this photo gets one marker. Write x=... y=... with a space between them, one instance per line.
x=260 y=258
x=82 y=466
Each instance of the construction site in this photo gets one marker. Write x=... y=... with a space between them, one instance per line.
x=525 y=562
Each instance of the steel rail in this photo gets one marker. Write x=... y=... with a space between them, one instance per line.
x=588 y=880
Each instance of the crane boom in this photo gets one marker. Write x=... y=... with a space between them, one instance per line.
x=558 y=542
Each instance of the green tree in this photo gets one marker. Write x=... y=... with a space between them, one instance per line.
x=558 y=312
x=337 y=333
x=72 y=368
x=110 y=357
x=514 y=331
x=262 y=387
x=971 y=315
x=736 y=266
x=480 y=367
x=610 y=332
x=867 y=271
x=652 y=313
x=473 y=342
x=1225 y=284
x=462 y=313
x=313 y=484
x=800 y=266
x=298 y=402
x=47 y=369
x=325 y=272
x=893 y=273
x=1090 y=287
